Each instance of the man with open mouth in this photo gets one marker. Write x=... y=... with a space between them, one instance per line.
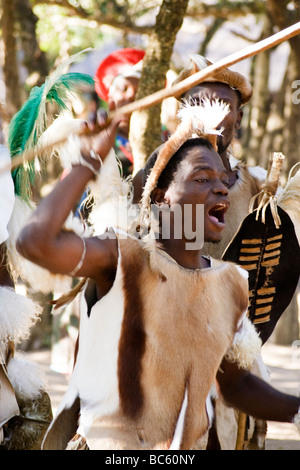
x=166 y=323
x=244 y=181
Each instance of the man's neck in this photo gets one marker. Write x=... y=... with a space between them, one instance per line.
x=232 y=174
x=189 y=259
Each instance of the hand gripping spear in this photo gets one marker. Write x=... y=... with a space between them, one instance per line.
x=175 y=90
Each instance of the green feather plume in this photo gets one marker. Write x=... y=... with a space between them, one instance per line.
x=30 y=121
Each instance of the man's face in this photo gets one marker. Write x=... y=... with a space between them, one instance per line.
x=223 y=92
x=122 y=92
x=202 y=179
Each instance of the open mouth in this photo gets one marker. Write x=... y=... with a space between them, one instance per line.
x=217 y=213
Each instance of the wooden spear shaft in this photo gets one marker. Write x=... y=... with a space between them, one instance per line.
x=199 y=77
x=175 y=90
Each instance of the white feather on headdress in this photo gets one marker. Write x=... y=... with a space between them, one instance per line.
x=204 y=118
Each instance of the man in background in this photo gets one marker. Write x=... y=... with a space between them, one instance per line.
x=116 y=83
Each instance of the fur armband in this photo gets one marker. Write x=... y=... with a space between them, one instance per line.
x=26 y=377
x=71 y=155
x=245 y=347
x=83 y=162
x=17 y=315
x=65 y=127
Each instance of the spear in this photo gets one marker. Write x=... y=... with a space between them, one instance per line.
x=174 y=91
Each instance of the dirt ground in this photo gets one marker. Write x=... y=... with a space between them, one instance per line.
x=284 y=368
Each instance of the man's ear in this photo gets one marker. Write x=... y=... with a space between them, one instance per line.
x=158 y=196
x=138 y=183
x=239 y=119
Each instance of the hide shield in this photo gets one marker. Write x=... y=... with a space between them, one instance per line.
x=272 y=258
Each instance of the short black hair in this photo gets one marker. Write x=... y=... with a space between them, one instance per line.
x=168 y=172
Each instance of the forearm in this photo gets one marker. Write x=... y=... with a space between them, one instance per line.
x=46 y=223
x=255 y=397
x=53 y=211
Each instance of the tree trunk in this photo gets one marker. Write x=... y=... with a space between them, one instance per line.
x=34 y=59
x=283 y=17
x=260 y=102
x=145 y=126
x=210 y=32
x=10 y=68
x=291 y=134
x=287 y=329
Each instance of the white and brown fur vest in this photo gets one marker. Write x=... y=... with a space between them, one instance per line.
x=149 y=352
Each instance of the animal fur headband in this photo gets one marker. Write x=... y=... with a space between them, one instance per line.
x=195 y=121
x=235 y=80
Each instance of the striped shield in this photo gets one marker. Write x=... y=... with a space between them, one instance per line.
x=272 y=258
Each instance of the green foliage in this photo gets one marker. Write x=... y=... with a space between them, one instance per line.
x=58 y=32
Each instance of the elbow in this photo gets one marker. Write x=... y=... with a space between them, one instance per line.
x=224 y=391
x=31 y=244
x=232 y=383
